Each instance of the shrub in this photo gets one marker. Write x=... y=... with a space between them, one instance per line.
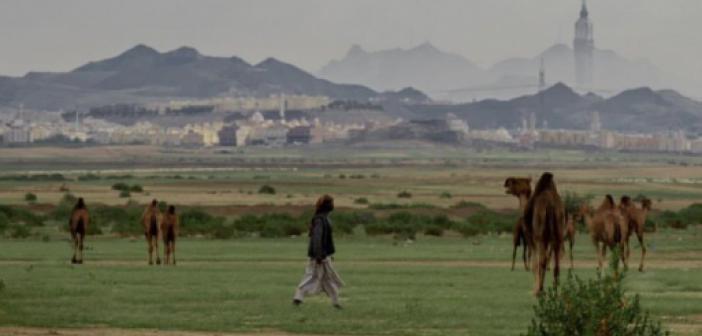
x=16 y=215
x=342 y=176
x=89 y=177
x=120 y=186
x=357 y=177
x=445 y=194
x=18 y=231
x=136 y=188
x=404 y=194
x=266 y=189
x=361 y=200
x=196 y=221
x=434 y=230
x=592 y=307
x=346 y=222
x=124 y=194
x=4 y=222
x=30 y=197
x=486 y=221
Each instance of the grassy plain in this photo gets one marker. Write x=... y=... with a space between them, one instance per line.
x=434 y=286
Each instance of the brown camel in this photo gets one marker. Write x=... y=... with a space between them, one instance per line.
x=520 y=188
x=569 y=235
x=78 y=224
x=150 y=219
x=608 y=228
x=544 y=219
x=170 y=227
x=636 y=220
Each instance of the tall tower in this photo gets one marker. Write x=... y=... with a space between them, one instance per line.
x=542 y=76
x=584 y=46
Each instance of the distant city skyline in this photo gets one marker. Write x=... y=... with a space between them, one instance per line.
x=61 y=35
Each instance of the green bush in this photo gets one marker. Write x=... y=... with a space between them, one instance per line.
x=17 y=215
x=19 y=231
x=124 y=194
x=361 y=200
x=89 y=177
x=445 y=194
x=136 y=188
x=196 y=221
x=404 y=194
x=30 y=197
x=120 y=186
x=592 y=307
x=491 y=221
x=468 y=205
x=4 y=222
x=266 y=189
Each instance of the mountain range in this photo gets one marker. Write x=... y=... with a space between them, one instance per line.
x=142 y=74
x=453 y=77
x=635 y=110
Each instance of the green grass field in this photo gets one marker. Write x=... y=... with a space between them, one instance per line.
x=434 y=286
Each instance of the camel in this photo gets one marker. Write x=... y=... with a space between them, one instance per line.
x=569 y=235
x=636 y=220
x=169 y=227
x=78 y=224
x=608 y=229
x=544 y=219
x=520 y=188
x=150 y=220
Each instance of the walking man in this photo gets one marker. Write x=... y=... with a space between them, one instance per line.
x=320 y=275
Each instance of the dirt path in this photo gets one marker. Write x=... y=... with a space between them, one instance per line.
x=22 y=331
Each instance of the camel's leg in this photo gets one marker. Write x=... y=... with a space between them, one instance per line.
x=158 y=258
x=625 y=254
x=514 y=254
x=80 y=248
x=166 y=253
x=151 y=249
x=528 y=251
x=640 y=236
x=543 y=264
x=173 y=252
x=524 y=257
x=556 y=264
x=571 y=242
x=535 y=262
x=600 y=255
x=75 y=250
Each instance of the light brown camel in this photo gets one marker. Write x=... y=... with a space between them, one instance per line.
x=521 y=189
x=544 y=218
x=150 y=220
x=636 y=220
x=78 y=224
x=170 y=226
x=569 y=235
x=608 y=229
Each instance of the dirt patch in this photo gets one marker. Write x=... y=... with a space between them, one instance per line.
x=22 y=331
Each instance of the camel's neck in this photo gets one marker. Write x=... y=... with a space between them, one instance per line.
x=523 y=200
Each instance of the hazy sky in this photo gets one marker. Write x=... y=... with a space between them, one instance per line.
x=59 y=35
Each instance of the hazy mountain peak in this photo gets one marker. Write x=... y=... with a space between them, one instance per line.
x=355 y=51
x=139 y=50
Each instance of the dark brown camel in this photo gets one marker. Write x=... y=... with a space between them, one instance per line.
x=636 y=220
x=78 y=224
x=520 y=188
x=544 y=218
x=170 y=227
x=608 y=228
x=150 y=220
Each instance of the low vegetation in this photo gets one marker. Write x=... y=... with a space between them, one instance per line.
x=598 y=306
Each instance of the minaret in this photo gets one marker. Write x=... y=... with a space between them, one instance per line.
x=283 y=107
x=542 y=76
x=584 y=47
